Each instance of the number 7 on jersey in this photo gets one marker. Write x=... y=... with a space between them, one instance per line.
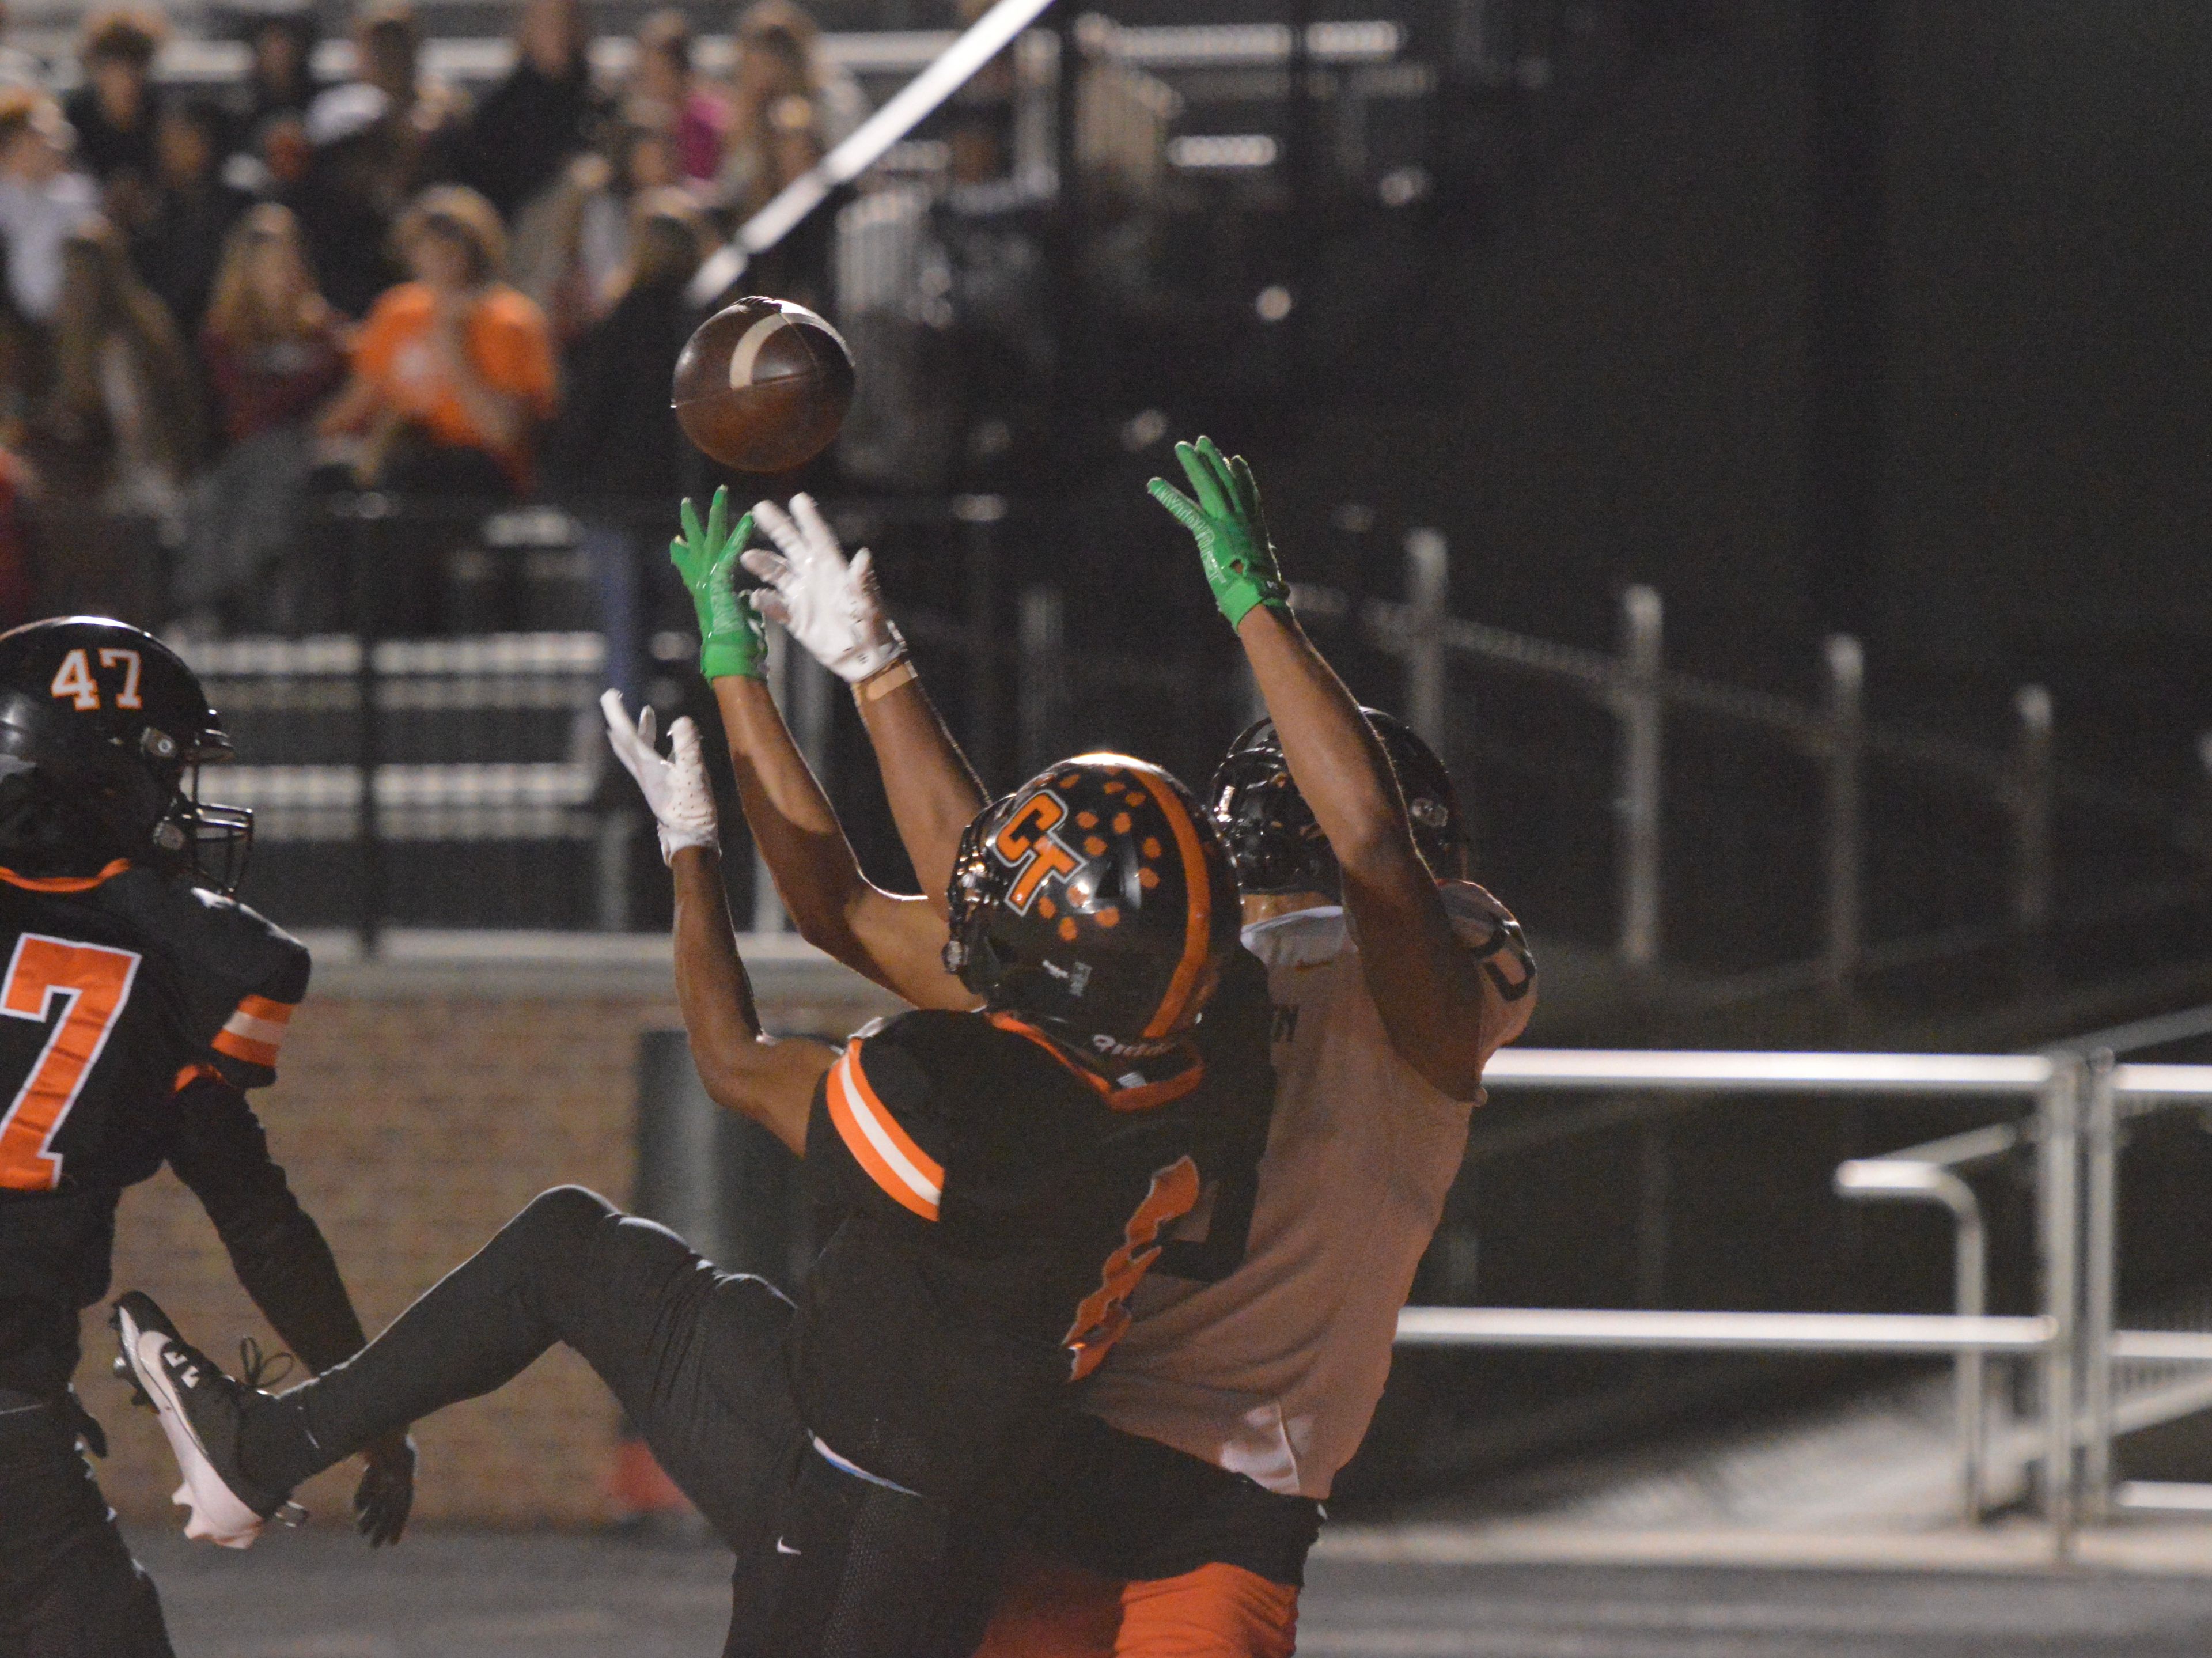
x=96 y=980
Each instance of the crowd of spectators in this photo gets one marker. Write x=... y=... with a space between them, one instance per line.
x=218 y=310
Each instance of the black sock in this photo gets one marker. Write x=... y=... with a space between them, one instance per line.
x=276 y=1449
x=477 y=1328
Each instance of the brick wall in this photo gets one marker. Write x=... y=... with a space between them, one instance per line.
x=416 y=1112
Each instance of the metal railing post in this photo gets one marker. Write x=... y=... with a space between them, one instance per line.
x=2058 y=1208
x=369 y=739
x=813 y=710
x=610 y=864
x=2203 y=805
x=1638 y=707
x=1970 y=1255
x=2031 y=812
x=980 y=517
x=1428 y=585
x=768 y=907
x=2100 y=1284
x=1909 y=1178
x=1847 y=740
x=1044 y=674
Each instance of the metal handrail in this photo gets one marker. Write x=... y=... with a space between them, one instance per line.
x=2162 y=1347
x=1964 y=1150
x=2025 y=779
x=1718 y=1331
x=2075 y=1339
x=2119 y=1092
x=1925 y=1172
x=2150 y=1086
x=1712 y=1071
x=2055 y=1081
x=1394 y=624
x=1903 y=1177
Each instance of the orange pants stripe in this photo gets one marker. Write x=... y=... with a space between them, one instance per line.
x=1051 y=1610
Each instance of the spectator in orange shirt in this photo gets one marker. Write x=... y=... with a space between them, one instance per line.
x=453 y=372
x=452 y=375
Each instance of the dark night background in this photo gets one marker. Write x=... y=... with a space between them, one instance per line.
x=1816 y=317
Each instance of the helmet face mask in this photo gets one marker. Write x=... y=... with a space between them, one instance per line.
x=110 y=723
x=1271 y=833
x=1094 y=902
x=1272 y=839
x=215 y=842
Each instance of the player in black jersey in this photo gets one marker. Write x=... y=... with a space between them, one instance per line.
x=1152 y=1530
x=992 y=1185
x=139 y=1002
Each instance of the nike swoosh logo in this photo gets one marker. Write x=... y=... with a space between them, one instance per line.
x=782 y=1547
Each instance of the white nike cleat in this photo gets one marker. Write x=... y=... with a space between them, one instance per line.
x=201 y=1411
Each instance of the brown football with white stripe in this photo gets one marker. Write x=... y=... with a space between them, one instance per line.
x=763 y=385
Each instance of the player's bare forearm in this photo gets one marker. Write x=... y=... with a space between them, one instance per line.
x=934 y=792
x=712 y=986
x=770 y=1081
x=1336 y=761
x=893 y=941
x=792 y=820
x=1429 y=991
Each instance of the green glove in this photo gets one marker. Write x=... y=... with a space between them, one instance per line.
x=1231 y=532
x=730 y=643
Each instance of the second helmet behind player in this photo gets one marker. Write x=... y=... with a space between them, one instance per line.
x=1097 y=901
x=1273 y=839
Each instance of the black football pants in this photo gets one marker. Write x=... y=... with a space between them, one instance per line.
x=828 y=1562
x=68 y=1587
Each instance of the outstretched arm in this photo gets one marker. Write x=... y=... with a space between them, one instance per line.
x=934 y=792
x=893 y=940
x=835 y=611
x=756 y=1075
x=1430 y=990
x=896 y=941
x=768 y=1079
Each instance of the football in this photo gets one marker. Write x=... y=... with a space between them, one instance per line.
x=762 y=385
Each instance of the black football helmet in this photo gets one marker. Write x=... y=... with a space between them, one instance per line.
x=1273 y=839
x=113 y=721
x=1095 y=902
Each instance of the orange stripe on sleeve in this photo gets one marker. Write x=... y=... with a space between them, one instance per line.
x=255 y=1032
x=229 y=1042
x=912 y=1178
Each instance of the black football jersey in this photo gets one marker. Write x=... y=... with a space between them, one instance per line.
x=118 y=990
x=989 y=1203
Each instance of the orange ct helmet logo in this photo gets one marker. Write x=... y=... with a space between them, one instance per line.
x=1028 y=845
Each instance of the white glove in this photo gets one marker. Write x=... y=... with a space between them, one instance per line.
x=831 y=608
x=675 y=788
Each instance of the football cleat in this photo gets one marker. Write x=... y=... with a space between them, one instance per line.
x=201 y=1411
